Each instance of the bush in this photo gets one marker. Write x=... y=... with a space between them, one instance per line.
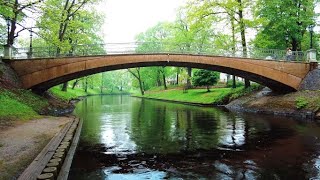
x=301 y=102
x=238 y=92
x=238 y=83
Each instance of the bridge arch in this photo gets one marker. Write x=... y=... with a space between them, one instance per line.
x=41 y=74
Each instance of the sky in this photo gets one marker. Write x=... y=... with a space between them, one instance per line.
x=127 y=18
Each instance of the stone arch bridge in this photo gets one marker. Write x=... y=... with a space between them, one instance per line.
x=39 y=74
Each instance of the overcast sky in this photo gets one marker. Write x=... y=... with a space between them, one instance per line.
x=126 y=18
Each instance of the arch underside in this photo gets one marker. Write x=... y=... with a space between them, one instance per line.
x=272 y=84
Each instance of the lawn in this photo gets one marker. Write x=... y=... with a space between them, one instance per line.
x=20 y=104
x=191 y=95
x=216 y=96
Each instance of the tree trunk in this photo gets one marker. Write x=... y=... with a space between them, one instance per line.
x=177 y=76
x=121 y=86
x=141 y=86
x=138 y=77
x=158 y=77
x=189 y=70
x=246 y=83
x=242 y=29
x=232 y=19
x=243 y=35
x=295 y=45
x=208 y=89
x=101 y=87
x=86 y=85
x=75 y=83
x=228 y=78
x=64 y=87
x=164 y=80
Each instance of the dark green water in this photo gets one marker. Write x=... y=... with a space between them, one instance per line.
x=132 y=138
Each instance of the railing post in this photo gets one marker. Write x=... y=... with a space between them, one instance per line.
x=7 y=52
x=312 y=55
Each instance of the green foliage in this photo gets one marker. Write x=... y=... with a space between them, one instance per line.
x=241 y=91
x=301 y=102
x=193 y=95
x=20 y=104
x=216 y=96
x=279 y=18
x=238 y=83
x=64 y=24
x=18 y=14
x=68 y=95
x=75 y=93
x=202 y=77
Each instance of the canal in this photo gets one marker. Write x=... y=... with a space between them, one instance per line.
x=131 y=138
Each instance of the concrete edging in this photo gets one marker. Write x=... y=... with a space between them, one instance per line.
x=57 y=155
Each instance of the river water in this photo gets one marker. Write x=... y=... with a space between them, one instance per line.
x=132 y=138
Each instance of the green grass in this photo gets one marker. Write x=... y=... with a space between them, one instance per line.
x=77 y=92
x=301 y=102
x=68 y=95
x=20 y=104
x=215 y=96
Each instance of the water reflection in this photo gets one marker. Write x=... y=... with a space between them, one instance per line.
x=133 y=138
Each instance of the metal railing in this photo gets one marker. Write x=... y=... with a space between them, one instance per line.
x=152 y=48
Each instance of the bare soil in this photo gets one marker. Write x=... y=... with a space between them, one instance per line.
x=23 y=141
x=267 y=102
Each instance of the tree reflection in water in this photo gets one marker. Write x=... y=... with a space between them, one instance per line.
x=134 y=138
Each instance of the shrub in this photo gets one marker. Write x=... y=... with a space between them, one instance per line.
x=238 y=83
x=301 y=102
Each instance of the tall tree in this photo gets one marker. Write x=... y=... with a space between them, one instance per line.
x=230 y=12
x=66 y=23
x=16 y=12
x=283 y=18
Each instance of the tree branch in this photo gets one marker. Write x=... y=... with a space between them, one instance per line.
x=29 y=4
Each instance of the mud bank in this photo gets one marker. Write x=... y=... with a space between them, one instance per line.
x=267 y=102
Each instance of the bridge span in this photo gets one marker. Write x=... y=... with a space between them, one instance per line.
x=44 y=67
x=40 y=74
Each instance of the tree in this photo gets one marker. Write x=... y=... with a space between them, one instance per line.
x=229 y=12
x=66 y=23
x=206 y=78
x=281 y=18
x=191 y=35
x=136 y=73
x=16 y=12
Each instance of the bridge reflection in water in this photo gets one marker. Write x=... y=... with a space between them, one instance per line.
x=126 y=137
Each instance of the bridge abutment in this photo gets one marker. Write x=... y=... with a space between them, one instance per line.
x=312 y=80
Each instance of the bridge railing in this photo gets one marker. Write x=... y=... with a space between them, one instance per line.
x=152 y=48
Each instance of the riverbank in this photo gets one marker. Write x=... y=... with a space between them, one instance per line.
x=75 y=94
x=216 y=96
x=22 y=141
x=301 y=104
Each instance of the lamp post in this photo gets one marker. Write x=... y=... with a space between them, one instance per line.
x=287 y=39
x=7 y=47
x=8 y=29
x=30 y=46
x=310 y=28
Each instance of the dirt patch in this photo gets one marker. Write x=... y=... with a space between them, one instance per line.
x=279 y=104
x=22 y=142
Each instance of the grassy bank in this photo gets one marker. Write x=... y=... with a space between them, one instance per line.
x=216 y=96
x=77 y=92
x=20 y=104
